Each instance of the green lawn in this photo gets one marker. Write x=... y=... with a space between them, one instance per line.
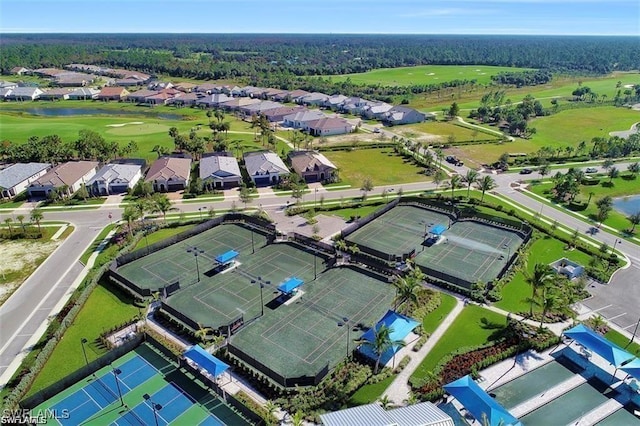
x=444 y=130
x=101 y=236
x=622 y=186
x=432 y=320
x=424 y=74
x=382 y=165
x=160 y=235
x=370 y=393
x=467 y=330
x=105 y=308
x=543 y=250
x=623 y=341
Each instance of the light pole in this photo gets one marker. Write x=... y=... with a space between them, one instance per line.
x=200 y=211
x=262 y=284
x=154 y=406
x=84 y=352
x=253 y=249
x=613 y=250
x=196 y=252
x=116 y=372
x=506 y=246
x=315 y=197
x=345 y=323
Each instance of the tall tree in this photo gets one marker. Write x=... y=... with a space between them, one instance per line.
x=487 y=183
x=160 y=203
x=455 y=182
x=381 y=343
x=470 y=178
x=367 y=186
x=605 y=204
x=635 y=220
x=37 y=216
x=541 y=276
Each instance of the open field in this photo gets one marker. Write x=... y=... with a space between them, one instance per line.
x=560 y=87
x=390 y=168
x=424 y=74
x=440 y=131
x=566 y=128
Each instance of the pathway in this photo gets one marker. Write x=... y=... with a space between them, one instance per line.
x=399 y=391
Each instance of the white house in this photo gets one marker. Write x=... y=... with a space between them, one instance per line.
x=220 y=170
x=328 y=126
x=264 y=167
x=24 y=94
x=84 y=93
x=71 y=176
x=115 y=179
x=299 y=119
x=15 y=178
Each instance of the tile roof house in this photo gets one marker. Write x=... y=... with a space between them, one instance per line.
x=73 y=79
x=205 y=88
x=115 y=179
x=84 y=93
x=212 y=101
x=259 y=108
x=56 y=94
x=236 y=103
x=186 y=99
x=277 y=115
x=422 y=414
x=24 y=94
x=113 y=93
x=169 y=174
x=376 y=110
x=403 y=115
x=299 y=119
x=163 y=97
x=72 y=174
x=19 y=70
x=292 y=95
x=264 y=167
x=334 y=102
x=355 y=105
x=139 y=96
x=15 y=178
x=221 y=170
x=312 y=166
x=185 y=87
x=315 y=98
x=328 y=126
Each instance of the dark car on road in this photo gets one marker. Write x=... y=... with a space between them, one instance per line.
x=526 y=171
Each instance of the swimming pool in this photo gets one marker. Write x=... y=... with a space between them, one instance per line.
x=569 y=407
x=534 y=382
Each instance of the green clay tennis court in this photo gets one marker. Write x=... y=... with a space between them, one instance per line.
x=301 y=338
x=179 y=399
x=174 y=263
x=398 y=231
x=471 y=251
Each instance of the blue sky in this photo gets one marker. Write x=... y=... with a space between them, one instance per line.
x=598 y=17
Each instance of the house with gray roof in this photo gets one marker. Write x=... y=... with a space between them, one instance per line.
x=422 y=414
x=220 y=171
x=188 y=99
x=334 y=102
x=8 y=84
x=277 y=115
x=70 y=176
x=312 y=166
x=355 y=105
x=24 y=94
x=140 y=96
x=169 y=174
x=259 y=108
x=236 y=103
x=212 y=101
x=84 y=93
x=315 y=98
x=56 y=94
x=404 y=115
x=328 y=126
x=265 y=167
x=114 y=179
x=15 y=178
x=299 y=119
x=376 y=110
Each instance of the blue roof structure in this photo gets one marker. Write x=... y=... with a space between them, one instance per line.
x=633 y=368
x=479 y=403
x=598 y=344
x=289 y=285
x=438 y=229
x=227 y=257
x=204 y=359
x=400 y=327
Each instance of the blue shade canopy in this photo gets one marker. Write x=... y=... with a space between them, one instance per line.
x=438 y=229
x=598 y=344
x=289 y=285
x=479 y=403
x=204 y=359
x=633 y=368
x=399 y=325
x=227 y=257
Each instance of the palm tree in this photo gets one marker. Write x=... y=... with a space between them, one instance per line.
x=20 y=218
x=385 y=402
x=202 y=333
x=438 y=177
x=456 y=180
x=381 y=343
x=8 y=221
x=406 y=290
x=635 y=220
x=160 y=203
x=541 y=276
x=36 y=216
x=470 y=178
x=487 y=183
x=130 y=214
x=367 y=185
x=549 y=302
x=613 y=173
x=634 y=169
x=297 y=419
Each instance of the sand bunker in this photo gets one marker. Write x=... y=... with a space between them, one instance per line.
x=433 y=73
x=629 y=86
x=124 y=124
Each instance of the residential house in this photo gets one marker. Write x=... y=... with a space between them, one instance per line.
x=56 y=94
x=299 y=119
x=15 y=178
x=212 y=101
x=132 y=80
x=312 y=99
x=140 y=96
x=234 y=91
x=115 y=178
x=277 y=115
x=403 y=115
x=271 y=94
x=48 y=72
x=113 y=93
x=163 y=97
x=5 y=92
x=24 y=94
x=259 y=108
x=422 y=414
x=334 y=102
x=20 y=70
x=354 y=105
x=376 y=110
x=188 y=99
x=93 y=69
x=312 y=166
x=236 y=103
x=84 y=93
x=220 y=171
x=328 y=126
x=185 y=87
x=160 y=85
x=264 y=167
x=73 y=79
x=290 y=96
x=207 y=88
x=169 y=174
x=68 y=176
x=8 y=84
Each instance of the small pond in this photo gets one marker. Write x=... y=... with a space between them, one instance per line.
x=66 y=112
x=627 y=205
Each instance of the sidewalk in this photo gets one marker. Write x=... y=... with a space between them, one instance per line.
x=398 y=391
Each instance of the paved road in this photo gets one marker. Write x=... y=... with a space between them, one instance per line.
x=25 y=314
